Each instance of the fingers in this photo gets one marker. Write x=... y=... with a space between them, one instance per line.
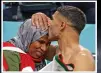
x=36 y=21
x=40 y=20
x=32 y=19
x=45 y=22
x=49 y=21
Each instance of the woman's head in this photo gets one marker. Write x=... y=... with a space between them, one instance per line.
x=31 y=39
x=38 y=48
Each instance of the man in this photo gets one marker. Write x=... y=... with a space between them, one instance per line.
x=65 y=27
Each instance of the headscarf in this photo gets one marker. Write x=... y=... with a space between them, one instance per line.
x=27 y=34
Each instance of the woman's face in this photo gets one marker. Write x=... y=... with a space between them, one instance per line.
x=38 y=48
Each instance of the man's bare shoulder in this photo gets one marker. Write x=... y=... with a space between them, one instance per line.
x=84 y=60
x=84 y=52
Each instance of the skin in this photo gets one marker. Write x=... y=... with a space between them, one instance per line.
x=41 y=48
x=60 y=29
x=68 y=40
x=40 y=20
x=38 y=48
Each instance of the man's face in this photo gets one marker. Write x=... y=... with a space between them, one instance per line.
x=38 y=48
x=54 y=27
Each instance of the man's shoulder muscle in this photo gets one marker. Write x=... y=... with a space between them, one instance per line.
x=84 y=61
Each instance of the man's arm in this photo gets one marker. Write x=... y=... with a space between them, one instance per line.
x=40 y=20
x=84 y=62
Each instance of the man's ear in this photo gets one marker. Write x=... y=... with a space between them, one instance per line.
x=63 y=25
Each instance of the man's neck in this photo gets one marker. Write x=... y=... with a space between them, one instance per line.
x=69 y=45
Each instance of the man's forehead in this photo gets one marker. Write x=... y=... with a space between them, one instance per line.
x=57 y=16
x=56 y=13
x=60 y=17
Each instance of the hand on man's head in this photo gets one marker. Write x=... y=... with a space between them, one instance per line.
x=40 y=20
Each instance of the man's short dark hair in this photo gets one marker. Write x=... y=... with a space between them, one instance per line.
x=74 y=15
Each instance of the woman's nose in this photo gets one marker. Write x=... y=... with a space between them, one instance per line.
x=43 y=47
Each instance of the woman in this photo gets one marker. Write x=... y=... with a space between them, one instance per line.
x=26 y=51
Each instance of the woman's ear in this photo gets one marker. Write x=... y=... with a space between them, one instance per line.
x=63 y=25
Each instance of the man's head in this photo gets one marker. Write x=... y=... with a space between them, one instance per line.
x=66 y=17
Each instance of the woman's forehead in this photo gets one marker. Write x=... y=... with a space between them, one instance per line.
x=44 y=38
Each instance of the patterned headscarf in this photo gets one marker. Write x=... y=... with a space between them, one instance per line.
x=27 y=34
